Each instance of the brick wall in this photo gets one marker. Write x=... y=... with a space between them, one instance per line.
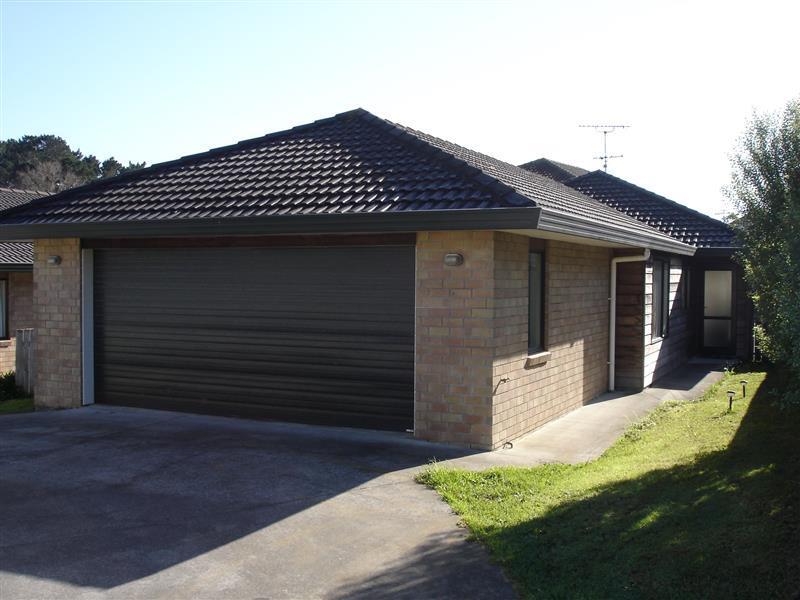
x=576 y=334
x=454 y=338
x=57 y=320
x=20 y=315
x=472 y=332
x=662 y=355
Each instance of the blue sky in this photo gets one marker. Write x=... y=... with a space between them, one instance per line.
x=156 y=80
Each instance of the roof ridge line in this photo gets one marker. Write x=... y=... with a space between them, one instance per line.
x=501 y=191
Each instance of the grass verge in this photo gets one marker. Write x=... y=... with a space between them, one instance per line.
x=694 y=501
x=16 y=405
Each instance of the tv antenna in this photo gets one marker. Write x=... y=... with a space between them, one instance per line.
x=605 y=130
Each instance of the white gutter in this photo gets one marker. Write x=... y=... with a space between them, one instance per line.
x=612 y=313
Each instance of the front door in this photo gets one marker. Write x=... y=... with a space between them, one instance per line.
x=718 y=331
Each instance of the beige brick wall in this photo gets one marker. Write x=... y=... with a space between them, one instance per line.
x=454 y=338
x=57 y=320
x=576 y=334
x=20 y=315
x=472 y=331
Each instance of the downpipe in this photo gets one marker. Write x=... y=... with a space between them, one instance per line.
x=612 y=313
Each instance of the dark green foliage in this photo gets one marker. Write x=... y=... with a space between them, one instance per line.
x=765 y=189
x=8 y=387
x=48 y=164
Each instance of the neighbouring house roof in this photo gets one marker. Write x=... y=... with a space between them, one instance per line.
x=676 y=220
x=10 y=197
x=18 y=254
x=353 y=170
x=553 y=169
x=15 y=253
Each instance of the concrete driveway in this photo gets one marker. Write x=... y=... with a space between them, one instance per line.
x=108 y=502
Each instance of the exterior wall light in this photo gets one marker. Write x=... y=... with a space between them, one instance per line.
x=453 y=260
x=53 y=260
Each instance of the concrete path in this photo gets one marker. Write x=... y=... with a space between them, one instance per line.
x=107 y=502
x=584 y=434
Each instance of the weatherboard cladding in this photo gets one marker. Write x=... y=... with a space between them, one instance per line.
x=677 y=221
x=348 y=164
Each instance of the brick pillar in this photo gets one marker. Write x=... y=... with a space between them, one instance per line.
x=57 y=321
x=454 y=338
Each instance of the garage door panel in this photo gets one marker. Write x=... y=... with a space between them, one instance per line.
x=280 y=388
x=221 y=350
x=369 y=376
x=290 y=413
x=288 y=333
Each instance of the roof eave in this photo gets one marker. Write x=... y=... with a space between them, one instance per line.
x=573 y=225
x=717 y=250
x=425 y=220
x=16 y=267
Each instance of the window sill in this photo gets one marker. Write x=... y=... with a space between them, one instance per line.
x=539 y=358
x=5 y=343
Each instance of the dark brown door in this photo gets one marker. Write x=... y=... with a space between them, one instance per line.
x=321 y=335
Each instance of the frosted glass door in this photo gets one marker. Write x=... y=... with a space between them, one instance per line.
x=718 y=309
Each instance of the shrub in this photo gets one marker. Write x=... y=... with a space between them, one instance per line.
x=8 y=387
x=765 y=189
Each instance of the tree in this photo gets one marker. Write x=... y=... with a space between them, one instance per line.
x=47 y=163
x=112 y=167
x=765 y=189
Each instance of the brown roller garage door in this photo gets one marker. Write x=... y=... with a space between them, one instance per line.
x=321 y=335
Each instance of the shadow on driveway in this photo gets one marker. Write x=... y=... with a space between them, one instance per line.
x=146 y=503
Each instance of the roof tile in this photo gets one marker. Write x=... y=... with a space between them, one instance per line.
x=353 y=162
x=676 y=220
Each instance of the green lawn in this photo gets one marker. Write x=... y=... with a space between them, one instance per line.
x=16 y=405
x=692 y=502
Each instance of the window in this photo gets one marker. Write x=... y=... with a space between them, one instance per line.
x=3 y=309
x=660 y=298
x=536 y=303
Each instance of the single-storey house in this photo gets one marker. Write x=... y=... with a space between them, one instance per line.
x=351 y=271
x=16 y=282
x=670 y=307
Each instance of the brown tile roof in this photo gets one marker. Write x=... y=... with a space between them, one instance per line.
x=676 y=220
x=10 y=197
x=351 y=163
